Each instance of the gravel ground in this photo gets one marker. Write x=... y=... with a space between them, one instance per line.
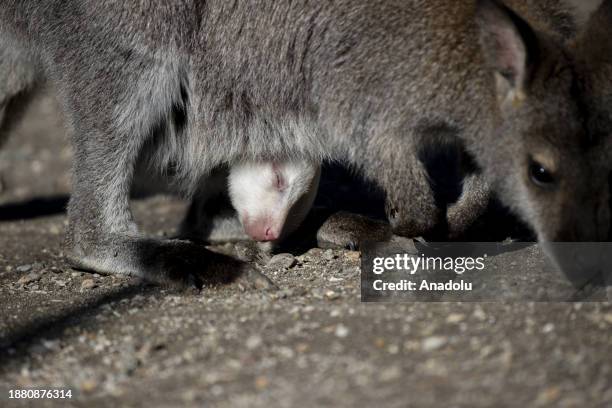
x=112 y=340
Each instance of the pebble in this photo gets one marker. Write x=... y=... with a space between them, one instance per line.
x=29 y=278
x=331 y=295
x=353 y=256
x=24 y=268
x=50 y=344
x=341 y=331
x=548 y=327
x=479 y=314
x=455 y=318
x=313 y=253
x=88 y=284
x=88 y=385
x=284 y=293
x=261 y=383
x=433 y=343
x=284 y=261
x=254 y=342
x=329 y=255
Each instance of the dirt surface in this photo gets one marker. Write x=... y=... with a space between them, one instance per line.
x=112 y=340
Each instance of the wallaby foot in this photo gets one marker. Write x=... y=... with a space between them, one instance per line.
x=349 y=231
x=173 y=263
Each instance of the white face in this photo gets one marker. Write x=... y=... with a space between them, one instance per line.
x=272 y=199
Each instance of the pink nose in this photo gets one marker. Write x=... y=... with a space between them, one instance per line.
x=261 y=231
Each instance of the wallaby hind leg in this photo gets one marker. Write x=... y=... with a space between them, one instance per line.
x=112 y=121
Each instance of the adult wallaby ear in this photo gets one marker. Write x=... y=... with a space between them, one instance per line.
x=596 y=41
x=510 y=47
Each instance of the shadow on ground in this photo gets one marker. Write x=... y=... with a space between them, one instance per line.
x=34 y=208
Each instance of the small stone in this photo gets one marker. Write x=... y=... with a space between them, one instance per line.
x=29 y=278
x=341 y=331
x=24 y=268
x=331 y=295
x=50 y=344
x=313 y=253
x=60 y=283
x=88 y=385
x=88 y=284
x=393 y=349
x=433 y=343
x=352 y=256
x=254 y=342
x=329 y=254
x=284 y=261
x=261 y=383
x=285 y=293
x=455 y=318
x=548 y=327
x=479 y=314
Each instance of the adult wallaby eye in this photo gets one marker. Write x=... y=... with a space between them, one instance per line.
x=540 y=176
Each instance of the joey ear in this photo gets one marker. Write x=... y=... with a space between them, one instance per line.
x=509 y=45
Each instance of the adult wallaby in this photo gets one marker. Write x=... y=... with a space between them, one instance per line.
x=381 y=84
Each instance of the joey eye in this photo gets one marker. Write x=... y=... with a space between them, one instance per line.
x=541 y=176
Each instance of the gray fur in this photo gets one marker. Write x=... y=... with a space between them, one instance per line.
x=374 y=83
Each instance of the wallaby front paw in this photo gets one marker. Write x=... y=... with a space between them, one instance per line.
x=250 y=278
x=348 y=231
